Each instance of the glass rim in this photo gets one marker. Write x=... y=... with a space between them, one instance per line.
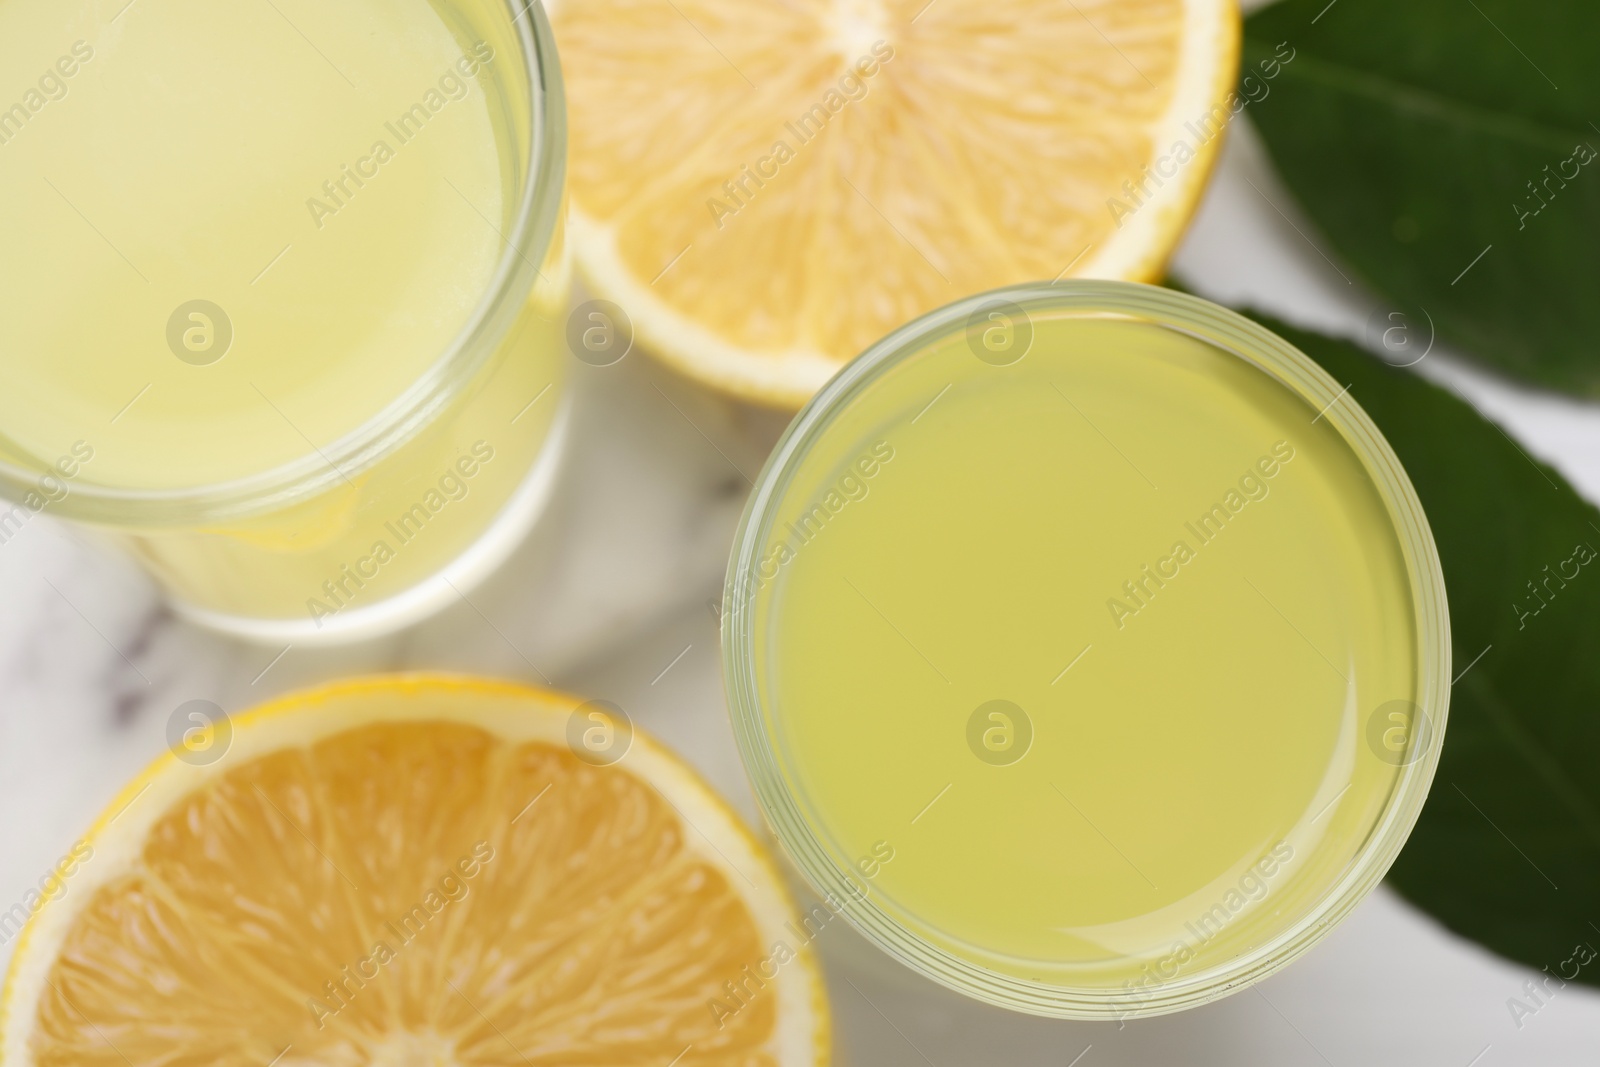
x=802 y=843
x=526 y=244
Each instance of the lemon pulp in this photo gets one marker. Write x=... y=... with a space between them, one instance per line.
x=877 y=158
x=417 y=870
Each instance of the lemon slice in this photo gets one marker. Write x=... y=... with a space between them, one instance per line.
x=768 y=187
x=418 y=870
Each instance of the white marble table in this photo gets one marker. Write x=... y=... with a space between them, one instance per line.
x=610 y=597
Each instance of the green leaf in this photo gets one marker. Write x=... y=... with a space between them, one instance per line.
x=1415 y=134
x=1507 y=851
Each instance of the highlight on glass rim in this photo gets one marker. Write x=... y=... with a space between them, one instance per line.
x=695 y=533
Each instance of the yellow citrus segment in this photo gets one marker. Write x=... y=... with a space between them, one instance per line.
x=767 y=188
x=422 y=891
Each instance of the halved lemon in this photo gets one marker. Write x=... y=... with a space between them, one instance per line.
x=768 y=187
x=418 y=870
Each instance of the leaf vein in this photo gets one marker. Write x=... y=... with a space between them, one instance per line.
x=1544 y=766
x=1423 y=101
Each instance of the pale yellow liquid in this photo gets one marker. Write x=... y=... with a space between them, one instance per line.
x=1206 y=751
x=185 y=157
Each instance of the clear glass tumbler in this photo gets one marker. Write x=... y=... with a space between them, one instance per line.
x=1087 y=648
x=287 y=295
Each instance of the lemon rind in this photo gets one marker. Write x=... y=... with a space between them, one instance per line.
x=305 y=717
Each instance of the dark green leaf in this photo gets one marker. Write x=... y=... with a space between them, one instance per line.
x=1417 y=135
x=1507 y=851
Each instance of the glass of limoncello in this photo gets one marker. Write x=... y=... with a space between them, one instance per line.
x=1087 y=647
x=282 y=286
